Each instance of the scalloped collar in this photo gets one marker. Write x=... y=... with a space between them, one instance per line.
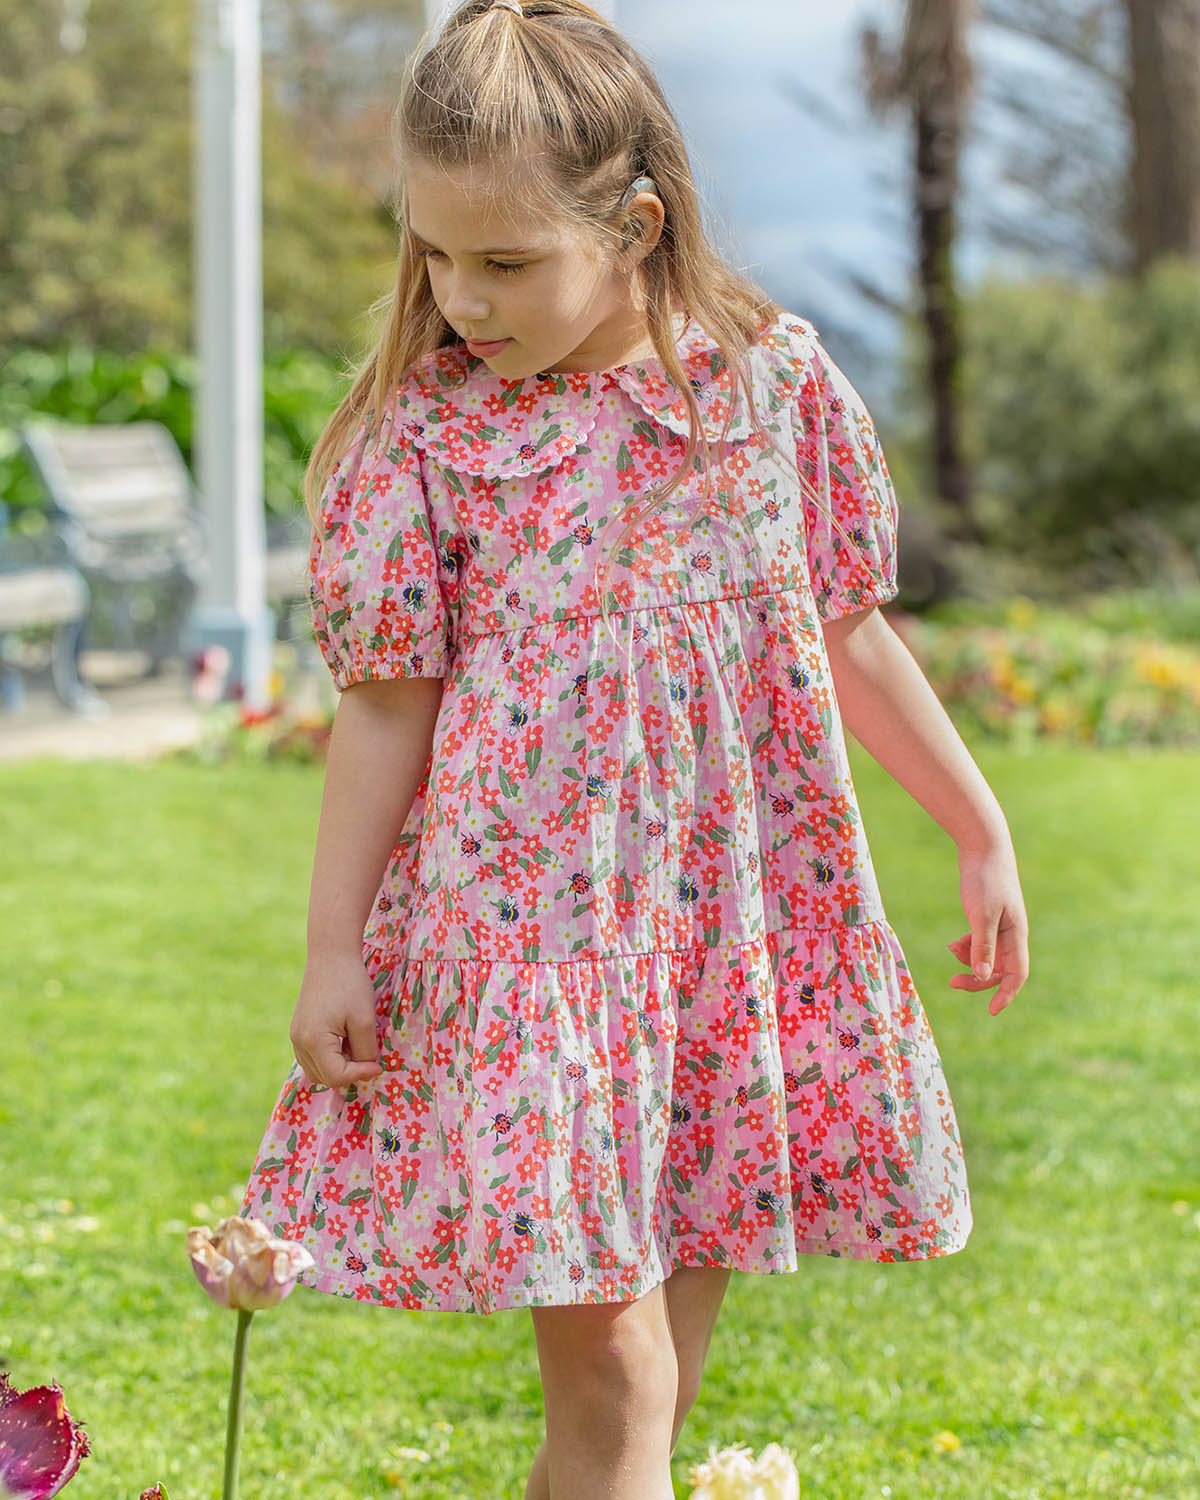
x=475 y=422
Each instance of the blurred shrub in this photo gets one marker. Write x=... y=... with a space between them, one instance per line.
x=1098 y=675
x=1083 y=416
x=88 y=386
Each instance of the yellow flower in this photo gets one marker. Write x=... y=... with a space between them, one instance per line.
x=946 y=1442
x=1021 y=611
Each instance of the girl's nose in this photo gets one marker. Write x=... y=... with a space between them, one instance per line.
x=462 y=305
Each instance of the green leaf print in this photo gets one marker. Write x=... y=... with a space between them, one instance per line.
x=604 y=1204
x=811 y=1073
x=901 y=1179
x=395 y=547
x=700 y=733
x=704 y=1156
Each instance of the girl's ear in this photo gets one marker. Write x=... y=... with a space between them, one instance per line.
x=644 y=223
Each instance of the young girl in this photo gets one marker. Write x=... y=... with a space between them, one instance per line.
x=601 y=1001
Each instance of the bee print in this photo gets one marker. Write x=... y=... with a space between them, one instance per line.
x=848 y=1039
x=502 y=1123
x=579 y=884
x=818 y=1183
x=687 y=893
x=645 y=1025
x=799 y=677
x=767 y=1202
x=524 y=1224
x=318 y=1201
x=518 y=716
x=507 y=910
x=754 y=1006
x=389 y=1141
x=807 y=994
x=597 y=786
x=449 y=559
x=412 y=596
x=680 y=1113
x=887 y=1103
x=859 y=537
x=521 y=1029
x=355 y=1263
x=822 y=869
x=677 y=690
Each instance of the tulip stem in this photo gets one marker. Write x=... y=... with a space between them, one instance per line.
x=233 y=1429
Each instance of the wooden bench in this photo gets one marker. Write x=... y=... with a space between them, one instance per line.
x=124 y=502
x=39 y=590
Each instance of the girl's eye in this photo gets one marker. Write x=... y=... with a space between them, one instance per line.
x=504 y=267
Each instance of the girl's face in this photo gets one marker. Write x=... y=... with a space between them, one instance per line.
x=497 y=271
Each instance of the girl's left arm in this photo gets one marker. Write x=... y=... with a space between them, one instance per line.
x=888 y=705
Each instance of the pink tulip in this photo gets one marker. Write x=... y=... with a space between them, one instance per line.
x=242 y=1266
x=40 y=1445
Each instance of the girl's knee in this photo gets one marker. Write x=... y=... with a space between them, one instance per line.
x=622 y=1351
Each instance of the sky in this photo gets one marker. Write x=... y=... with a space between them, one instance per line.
x=793 y=197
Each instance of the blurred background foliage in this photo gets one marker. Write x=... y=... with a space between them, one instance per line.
x=1046 y=437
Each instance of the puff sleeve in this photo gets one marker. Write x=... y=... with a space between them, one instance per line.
x=852 y=564
x=380 y=610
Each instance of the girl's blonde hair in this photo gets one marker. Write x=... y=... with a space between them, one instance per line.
x=559 y=86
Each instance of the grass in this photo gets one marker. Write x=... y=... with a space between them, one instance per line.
x=154 y=925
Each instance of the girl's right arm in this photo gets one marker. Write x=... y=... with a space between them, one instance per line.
x=378 y=753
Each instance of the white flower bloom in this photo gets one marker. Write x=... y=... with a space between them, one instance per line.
x=733 y=1474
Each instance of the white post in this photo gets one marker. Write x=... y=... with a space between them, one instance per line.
x=227 y=279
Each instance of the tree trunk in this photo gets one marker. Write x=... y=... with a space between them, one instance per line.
x=1164 y=106
x=937 y=63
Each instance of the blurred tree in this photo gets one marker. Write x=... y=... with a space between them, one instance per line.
x=1053 y=107
x=1164 y=107
x=931 y=76
x=95 y=177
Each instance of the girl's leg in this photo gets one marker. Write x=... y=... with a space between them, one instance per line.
x=693 y=1296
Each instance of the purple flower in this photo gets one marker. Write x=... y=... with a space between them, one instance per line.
x=40 y=1445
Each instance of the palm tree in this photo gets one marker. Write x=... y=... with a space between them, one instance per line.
x=931 y=76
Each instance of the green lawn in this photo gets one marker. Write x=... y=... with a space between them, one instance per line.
x=153 y=921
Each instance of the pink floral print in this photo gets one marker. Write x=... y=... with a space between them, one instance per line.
x=638 y=1002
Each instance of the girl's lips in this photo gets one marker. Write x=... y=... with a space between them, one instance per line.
x=486 y=350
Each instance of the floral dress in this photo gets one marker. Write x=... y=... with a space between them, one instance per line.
x=638 y=1003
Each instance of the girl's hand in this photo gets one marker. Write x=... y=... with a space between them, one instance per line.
x=996 y=949
x=333 y=1028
